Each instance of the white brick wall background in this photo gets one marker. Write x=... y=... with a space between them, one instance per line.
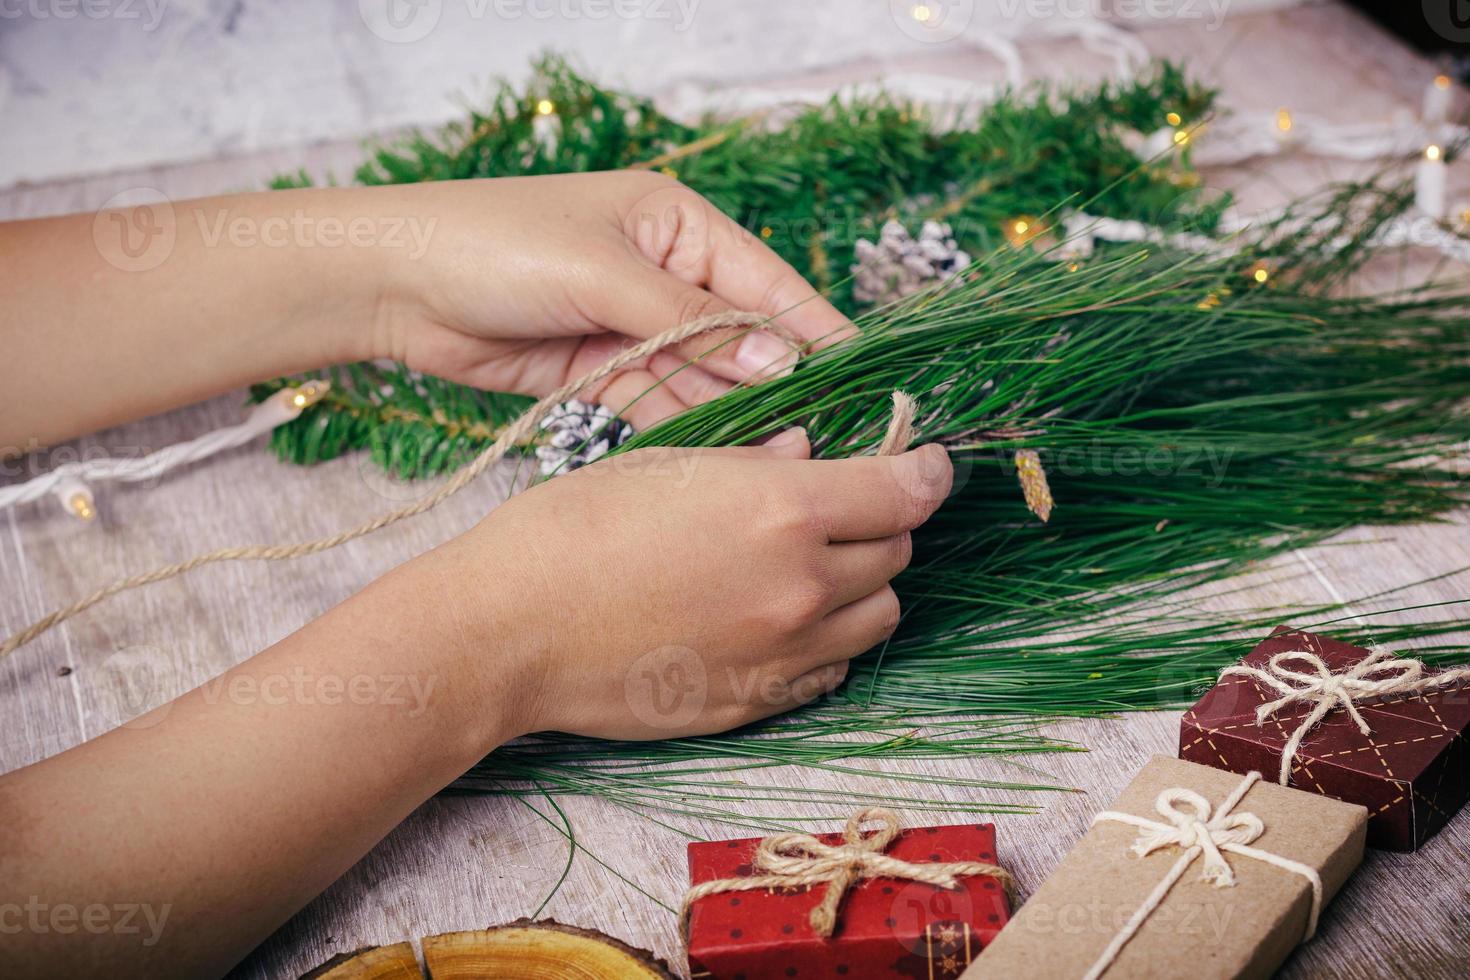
x=95 y=86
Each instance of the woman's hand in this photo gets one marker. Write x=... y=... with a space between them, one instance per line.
x=530 y=282
x=671 y=592
x=514 y=284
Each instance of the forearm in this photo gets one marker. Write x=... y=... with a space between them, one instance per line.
x=219 y=815
x=137 y=311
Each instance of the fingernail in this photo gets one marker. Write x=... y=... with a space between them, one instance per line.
x=762 y=356
x=787 y=438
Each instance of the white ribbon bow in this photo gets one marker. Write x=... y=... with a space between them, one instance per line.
x=1380 y=674
x=1193 y=827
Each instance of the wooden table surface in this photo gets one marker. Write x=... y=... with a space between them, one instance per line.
x=466 y=862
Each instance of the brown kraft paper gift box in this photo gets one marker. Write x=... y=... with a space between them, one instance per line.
x=1199 y=930
x=1412 y=772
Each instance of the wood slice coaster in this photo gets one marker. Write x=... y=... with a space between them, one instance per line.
x=525 y=950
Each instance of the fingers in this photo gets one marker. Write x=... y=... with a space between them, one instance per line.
x=692 y=384
x=860 y=568
x=746 y=273
x=638 y=396
x=790 y=444
x=859 y=626
x=647 y=301
x=647 y=392
x=800 y=690
x=684 y=234
x=869 y=497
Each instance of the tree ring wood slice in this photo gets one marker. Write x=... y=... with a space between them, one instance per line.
x=523 y=950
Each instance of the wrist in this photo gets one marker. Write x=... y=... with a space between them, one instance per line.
x=464 y=625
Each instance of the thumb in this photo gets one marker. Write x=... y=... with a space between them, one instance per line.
x=790 y=444
x=647 y=301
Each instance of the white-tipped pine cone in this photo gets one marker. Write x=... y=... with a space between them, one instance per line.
x=577 y=434
x=898 y=264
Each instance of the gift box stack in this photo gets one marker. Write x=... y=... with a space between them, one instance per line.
x=1218 y=863
x=1213 y=865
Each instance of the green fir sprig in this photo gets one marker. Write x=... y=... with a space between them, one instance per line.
x=1197 y=414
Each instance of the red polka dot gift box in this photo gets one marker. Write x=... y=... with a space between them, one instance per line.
x=1364 y=726
x=873 y=901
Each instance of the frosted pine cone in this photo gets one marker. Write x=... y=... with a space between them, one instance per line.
x=578 y=434
x=899 y=264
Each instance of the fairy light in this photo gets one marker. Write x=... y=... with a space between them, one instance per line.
x=766 y=231
x=81 y=506
x=306 y=395
x=545 y=107
x=1260 y=272
x=1022 y=230
x=1437 y=100
x=1181 y=137
x=1283 y=120
x=1173 y=118
x=922 y=13
x=1429 y=182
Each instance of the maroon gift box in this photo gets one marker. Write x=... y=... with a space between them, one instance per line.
x=885 y=927
x=1412 y=772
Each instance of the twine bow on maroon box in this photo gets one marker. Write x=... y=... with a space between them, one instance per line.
x=1359 y=725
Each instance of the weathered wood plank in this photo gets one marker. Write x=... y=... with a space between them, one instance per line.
x=463 y=862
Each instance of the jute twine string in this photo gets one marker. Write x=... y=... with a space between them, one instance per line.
x=899 y=435
x=1380 y=674
x=801 y=860
x=1196 y=829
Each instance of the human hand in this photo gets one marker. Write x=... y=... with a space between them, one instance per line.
x=672 y=592
x=530 y=282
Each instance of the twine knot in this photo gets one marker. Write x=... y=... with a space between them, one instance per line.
x=1380 y=674
x=801 y=860
x=1197 y=830
x=1191 y=825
